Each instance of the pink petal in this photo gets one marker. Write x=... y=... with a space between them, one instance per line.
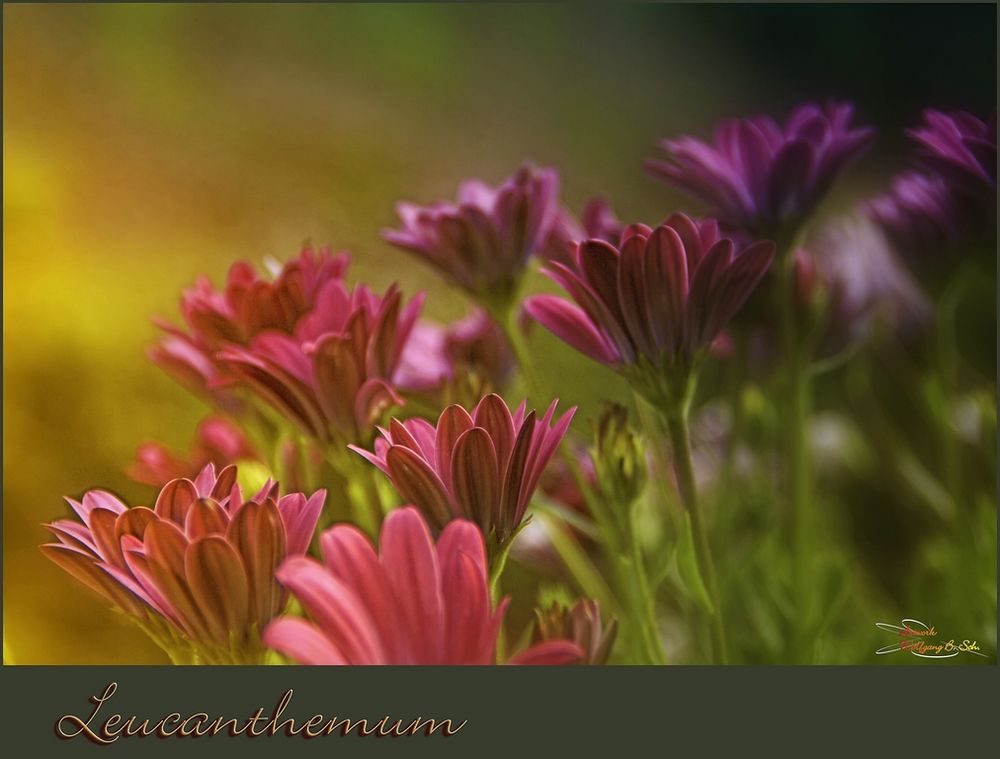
x=350 y=557
x=336 y=609
x=408 y=558
x=549 y=653
x=417 y=483
x=452 y=424
x=475 y=477
x=174 y=500
x=218 y=586
x=571 y=325
x=101 y=499
x=301 y=641
x=300 y=516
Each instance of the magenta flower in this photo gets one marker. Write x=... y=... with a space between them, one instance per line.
x=246 y=307
x=483 y=241
x=471 y=351
x=334 y=375
x=963 y=150
x=598 y=221
x=761 y=177
x=197 y=569
x=652 y=304
x=413 y=602
x=217 y=441
x=482 y=466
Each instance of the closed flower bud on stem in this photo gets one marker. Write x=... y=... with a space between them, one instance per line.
x=582 y=624
x=619 y=457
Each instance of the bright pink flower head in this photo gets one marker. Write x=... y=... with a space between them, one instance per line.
x=202 y=560
x=655 y=301
x=963 y=150
x=217 y=441
x=760 y=177
x=334 y=376
x=483 y=241
x=247 y=306
x=597 y=222
x=413 y=602
x=482 y=466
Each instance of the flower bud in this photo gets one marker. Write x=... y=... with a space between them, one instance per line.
x=580 y=623
x=619 y=461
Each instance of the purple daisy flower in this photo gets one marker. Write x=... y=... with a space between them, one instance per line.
x=649 y=306
x=484 y=240
x=761 y=177
x=962 y=149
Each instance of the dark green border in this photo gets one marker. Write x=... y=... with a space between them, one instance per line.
x=522 y=712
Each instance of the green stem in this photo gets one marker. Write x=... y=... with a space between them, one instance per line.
x=680 y=439
x=607 y=523
x=589 y=580
x=736 y=383
x=647 y=608
x=497 y=570
x=615 y=539
x=798 y=386
x=506 y=318
x=362 y=491
x=801 y=473
x=947 y=361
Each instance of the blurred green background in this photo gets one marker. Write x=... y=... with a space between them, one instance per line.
x=146 y=144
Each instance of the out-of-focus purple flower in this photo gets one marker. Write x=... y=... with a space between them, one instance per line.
x=472 y=352
x=761 y=177
x=651 y=305
x=597 y=222
x=424 y=365
x=413 y=602
x=919 y=214
x=483 y=241
x=335 y=374
x=217 y=441
x=854 y=279
x=198 y=567
x=247 y=306
x=962 y=149
x=953 y=200
x=482 y=466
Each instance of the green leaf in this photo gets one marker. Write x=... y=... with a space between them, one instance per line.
x=687 y=564
x=579 y=565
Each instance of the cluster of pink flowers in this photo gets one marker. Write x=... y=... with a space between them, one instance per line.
x=303 y=359
x=202 y=560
